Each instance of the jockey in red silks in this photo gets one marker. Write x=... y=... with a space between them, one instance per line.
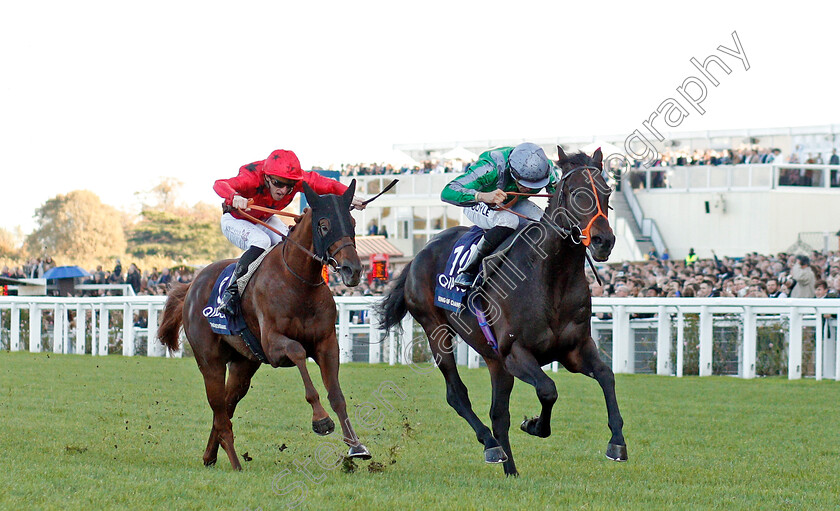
x=271 y=183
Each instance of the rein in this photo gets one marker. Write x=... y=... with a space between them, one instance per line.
x=329 y=261
x=272 y=211
x=585 y=236
x=312 y=254
x=293 y=272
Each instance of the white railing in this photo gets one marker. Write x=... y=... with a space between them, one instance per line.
x=361 y=340
x=796 y=313
x=81 y=325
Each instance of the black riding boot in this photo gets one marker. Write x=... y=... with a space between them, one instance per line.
x=491 y=240
x=230 y=299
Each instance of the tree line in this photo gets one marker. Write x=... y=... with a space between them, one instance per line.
x=78 y=228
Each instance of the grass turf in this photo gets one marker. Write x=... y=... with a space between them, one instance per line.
x=82 y=432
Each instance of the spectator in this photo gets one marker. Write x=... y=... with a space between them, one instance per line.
x=773 y=290
x=117 y=276
x=804 y=278
x=133 y=278
x=691 y=258
x=165 y=278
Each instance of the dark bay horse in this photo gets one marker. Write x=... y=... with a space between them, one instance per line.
x=537 y=302
x=288 y=308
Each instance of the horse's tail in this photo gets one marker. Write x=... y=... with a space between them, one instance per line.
x=392 y=308
x=172 y=316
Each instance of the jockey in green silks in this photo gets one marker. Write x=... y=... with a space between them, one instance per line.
x=524 y=168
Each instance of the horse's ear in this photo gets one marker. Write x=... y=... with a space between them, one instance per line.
x=347 y=197
x=561 y=155
x=311 y=197
x=597 y=157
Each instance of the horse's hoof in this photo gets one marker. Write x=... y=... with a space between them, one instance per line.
x=210 y=463
x=617 y=452
x=530 y=426
x=495 y=455
x=359 y=451
x=324 y=426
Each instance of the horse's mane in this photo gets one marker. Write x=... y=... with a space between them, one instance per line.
x=306 y=212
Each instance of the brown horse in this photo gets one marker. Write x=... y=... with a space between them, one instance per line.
x=288 y=309
x=538 y=305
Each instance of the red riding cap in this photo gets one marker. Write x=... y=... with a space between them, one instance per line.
x=285 y=164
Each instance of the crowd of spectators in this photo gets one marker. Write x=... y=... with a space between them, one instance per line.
x=754 y=154
x=669 y=158
x=33 y=269
x=423 y=167
x=148 y=282
x=788 y=176
x=753 y=276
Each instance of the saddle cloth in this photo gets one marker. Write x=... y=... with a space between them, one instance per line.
x=447 y=295
x=223 y=324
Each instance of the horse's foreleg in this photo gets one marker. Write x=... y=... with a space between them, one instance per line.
x=522 y=364
x=459 y=399
x=327 y=360
x=502 y=382
x=282 y=348
x=593 y=366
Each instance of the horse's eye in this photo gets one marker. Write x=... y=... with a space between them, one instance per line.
x=324 y=227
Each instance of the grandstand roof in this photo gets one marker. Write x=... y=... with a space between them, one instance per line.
x=369 y=245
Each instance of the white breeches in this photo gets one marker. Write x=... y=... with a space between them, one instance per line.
x=244 y=234
x=486 y=218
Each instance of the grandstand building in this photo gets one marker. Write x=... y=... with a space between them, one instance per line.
x=690 y=195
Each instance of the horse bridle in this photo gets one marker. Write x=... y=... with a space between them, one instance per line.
x=327 y=259
x=585 y=233
x=584 y=236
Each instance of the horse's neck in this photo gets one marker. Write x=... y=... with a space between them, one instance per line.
x=299 y=261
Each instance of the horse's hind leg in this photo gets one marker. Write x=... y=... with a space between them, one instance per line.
x=441 y=343
x=500 y=410
x=222 y=432
x=589 y=363
x=522 y=364
x=239 y=377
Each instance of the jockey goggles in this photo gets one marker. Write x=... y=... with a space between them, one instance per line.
x=281 y=183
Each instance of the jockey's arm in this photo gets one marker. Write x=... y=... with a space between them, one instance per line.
x=244 y=185
x=478 y=185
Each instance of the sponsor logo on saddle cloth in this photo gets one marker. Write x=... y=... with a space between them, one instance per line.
x=220 y=323
x=447 y=295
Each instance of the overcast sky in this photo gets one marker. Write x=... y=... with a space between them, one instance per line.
x=112 y=96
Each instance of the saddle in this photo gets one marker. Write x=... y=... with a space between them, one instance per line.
x=223 y=324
